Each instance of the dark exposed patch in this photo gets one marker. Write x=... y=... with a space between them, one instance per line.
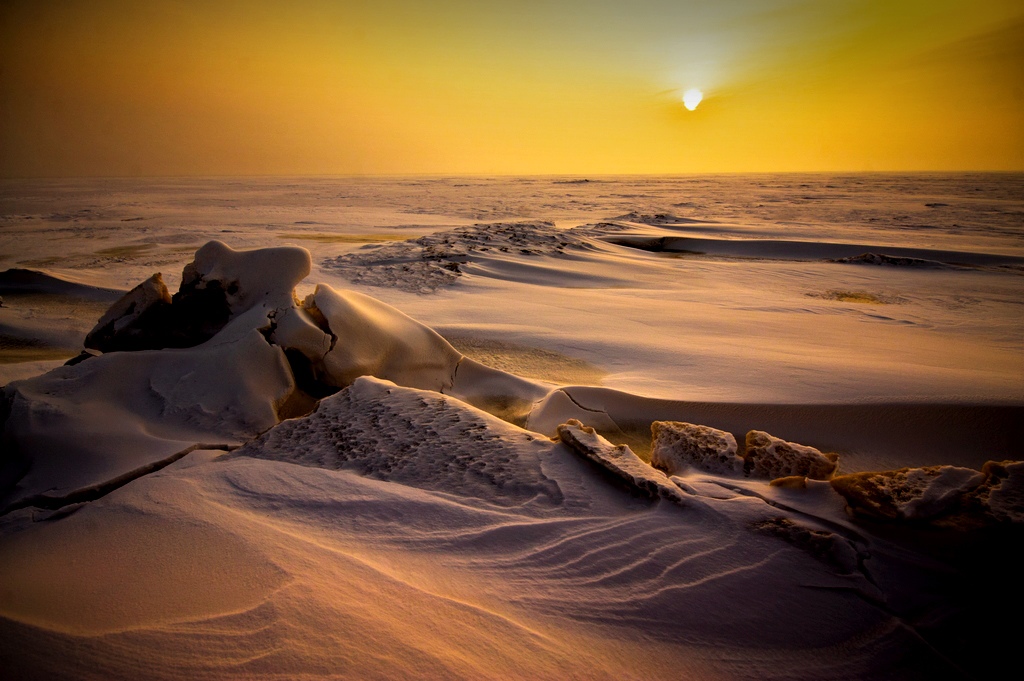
x=892 y=261
x=305 y=375
x=195 y=314
x=862 y=297
x=80 y=357
x=128 y=251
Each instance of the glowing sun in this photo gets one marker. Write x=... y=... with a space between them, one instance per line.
x=691 y=98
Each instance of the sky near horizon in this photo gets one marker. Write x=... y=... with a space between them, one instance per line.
x=222 y=87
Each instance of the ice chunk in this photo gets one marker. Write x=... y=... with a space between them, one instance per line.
x=375 y=339
x=498 y=392
x=265 y=277
x=770 y=457
x=620 y=461
x=295 y=328
x=907 y=493
x=336 y=336
x=678 y=446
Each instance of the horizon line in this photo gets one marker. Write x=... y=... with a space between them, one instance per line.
x=578 y=175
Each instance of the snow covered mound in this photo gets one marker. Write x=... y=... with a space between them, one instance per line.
x=418 y=438
x=436 y=260
x=770 y=457
x=368 y=337
x=679 y=446
x=262 y=277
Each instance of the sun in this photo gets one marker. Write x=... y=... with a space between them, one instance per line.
x=691 y=98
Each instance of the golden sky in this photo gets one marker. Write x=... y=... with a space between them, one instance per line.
x=222 y=87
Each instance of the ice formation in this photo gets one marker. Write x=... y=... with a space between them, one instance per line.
x=653 y=219
x=219 y=286
x=134 y=321
x=430 y=262
x=907 y=493
x=227 y=357
x=770 y=457
x=949 y=495
x=81 y=425
x=678 y=446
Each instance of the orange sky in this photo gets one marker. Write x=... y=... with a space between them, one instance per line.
x=112 y=87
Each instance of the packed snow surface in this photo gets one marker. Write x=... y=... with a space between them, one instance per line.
x=405 y=428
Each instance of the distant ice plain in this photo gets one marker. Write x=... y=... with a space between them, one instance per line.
x=698 y=327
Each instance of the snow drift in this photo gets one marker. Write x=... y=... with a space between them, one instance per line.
x=391 y=506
